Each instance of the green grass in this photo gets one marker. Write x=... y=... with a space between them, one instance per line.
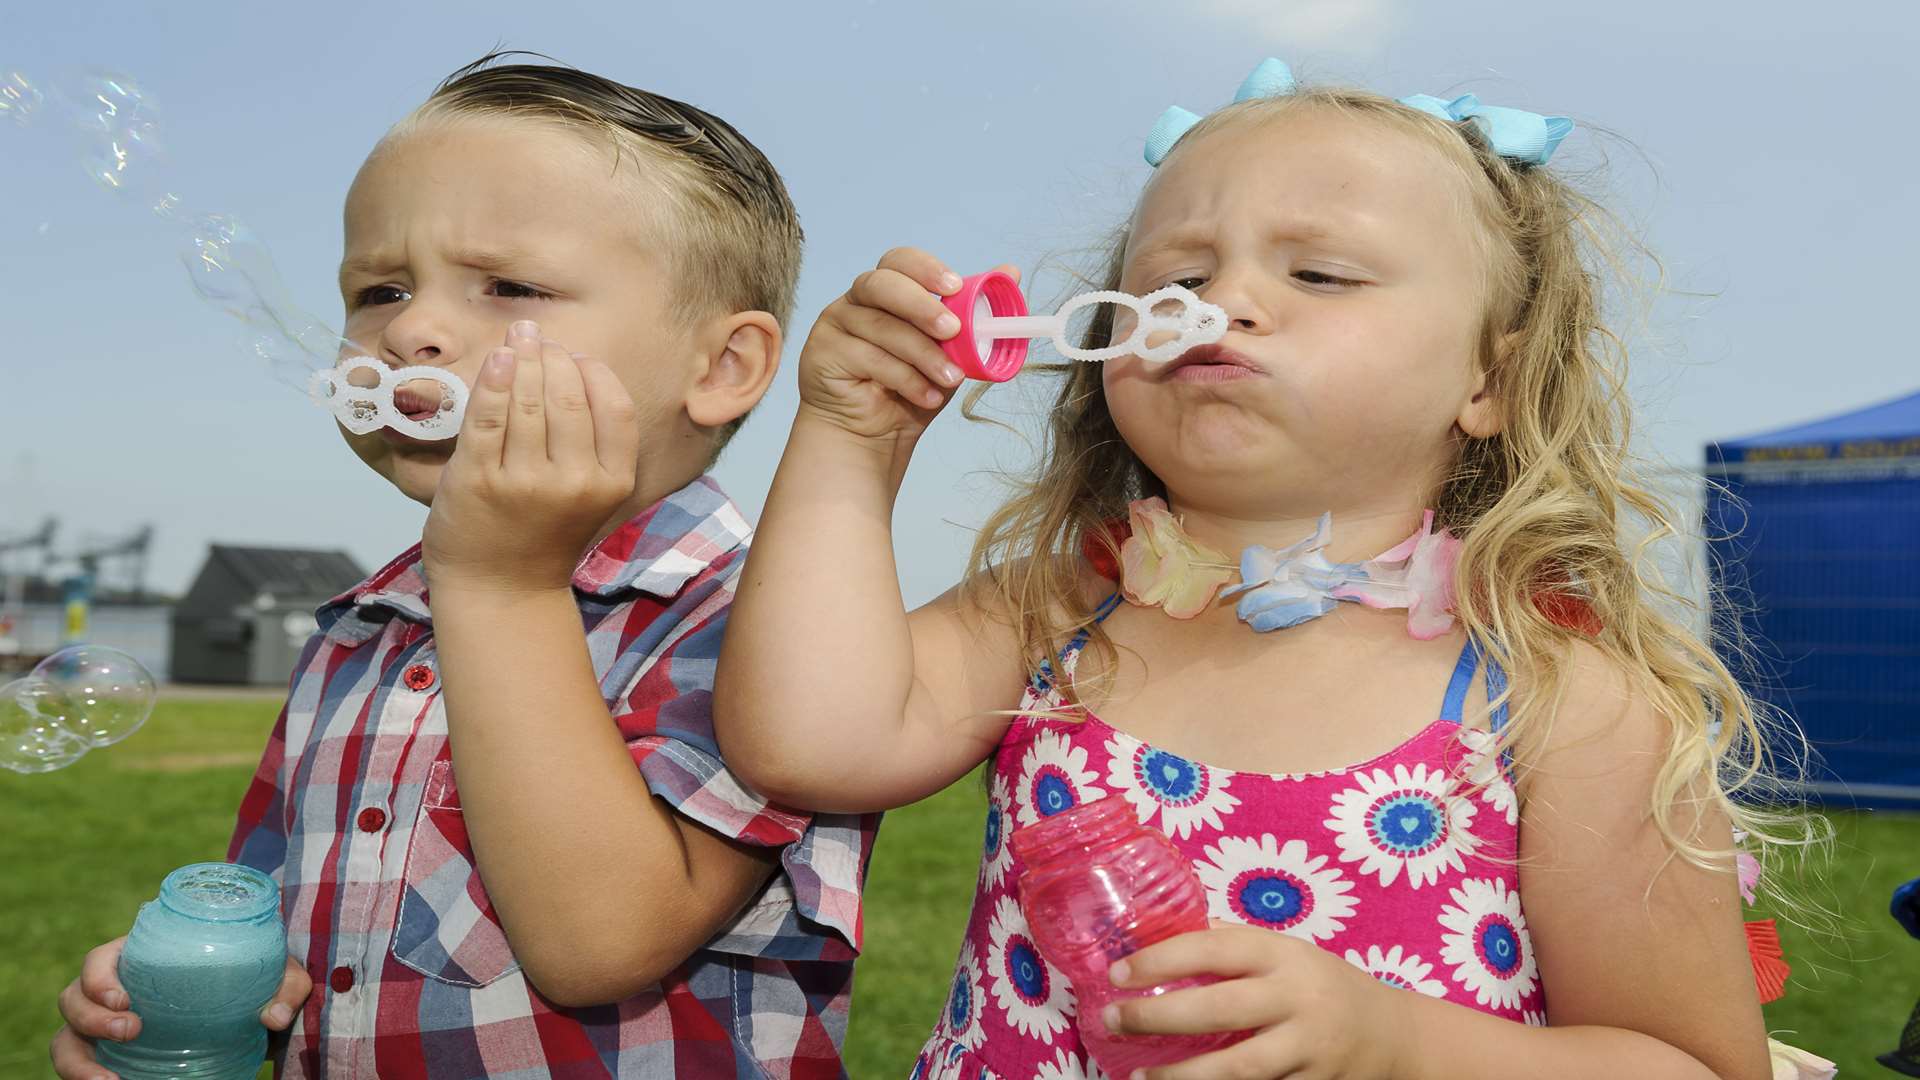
x=85 y=846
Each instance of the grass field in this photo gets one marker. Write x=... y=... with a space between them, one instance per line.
x=83 y=847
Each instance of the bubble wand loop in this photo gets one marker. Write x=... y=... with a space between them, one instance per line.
x=996 y=328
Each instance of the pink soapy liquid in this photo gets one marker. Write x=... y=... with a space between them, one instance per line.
x=1098 y=886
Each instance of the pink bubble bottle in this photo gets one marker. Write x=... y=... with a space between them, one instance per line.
x=1098 y=886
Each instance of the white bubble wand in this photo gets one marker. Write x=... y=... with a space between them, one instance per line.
x=996 y=328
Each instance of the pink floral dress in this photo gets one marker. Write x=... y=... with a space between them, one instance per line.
x=1403 y=864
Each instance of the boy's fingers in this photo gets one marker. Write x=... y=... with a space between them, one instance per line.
x=100 y=975
x=901 y=296
x=73 y=1058
x=902 y=341
x=295 y=985
x=569 y=420
x=483 y=432
x=93 y=1020
x=526 y=438
x=931 y=274
x=616 y=428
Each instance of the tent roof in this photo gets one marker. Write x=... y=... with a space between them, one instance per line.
x=1896 y=419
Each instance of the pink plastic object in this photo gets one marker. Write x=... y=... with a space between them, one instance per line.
x=1097 y=886
x=993 y=293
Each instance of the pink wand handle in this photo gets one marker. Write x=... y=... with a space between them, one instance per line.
x=992 y=294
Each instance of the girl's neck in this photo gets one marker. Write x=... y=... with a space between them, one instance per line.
x=1360 y=531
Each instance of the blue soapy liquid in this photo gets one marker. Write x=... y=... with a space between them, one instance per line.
x=202 y=961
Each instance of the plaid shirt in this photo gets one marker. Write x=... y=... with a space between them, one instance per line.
x=355 y=811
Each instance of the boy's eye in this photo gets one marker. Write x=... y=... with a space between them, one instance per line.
x=514 y=290
x=383 y=294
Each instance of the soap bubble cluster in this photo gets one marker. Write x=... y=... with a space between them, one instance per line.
x=112 y=128
x=80 y=698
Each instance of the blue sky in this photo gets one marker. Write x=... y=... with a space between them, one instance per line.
x=1760 y=149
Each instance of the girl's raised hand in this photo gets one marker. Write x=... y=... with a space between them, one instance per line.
x=1314 y=1016
x=872 y=364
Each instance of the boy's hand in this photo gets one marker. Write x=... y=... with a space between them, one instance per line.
x=1314 y=1016
x=873 y=364
x=95 y=1007
x=546 y=453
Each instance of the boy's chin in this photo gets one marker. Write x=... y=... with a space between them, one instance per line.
x=416 y=477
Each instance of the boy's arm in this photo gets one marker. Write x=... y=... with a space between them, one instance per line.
x=601 y=887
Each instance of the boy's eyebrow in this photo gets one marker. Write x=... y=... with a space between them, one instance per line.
x=489 y=260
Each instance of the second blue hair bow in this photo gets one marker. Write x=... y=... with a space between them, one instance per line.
x=1515 y=134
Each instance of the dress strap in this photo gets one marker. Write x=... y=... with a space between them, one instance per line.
x=1453 y=708
x=1044 y=678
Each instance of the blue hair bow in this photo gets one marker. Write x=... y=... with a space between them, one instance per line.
x=1514 y=134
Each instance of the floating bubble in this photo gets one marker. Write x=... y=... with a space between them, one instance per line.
x=120 y=132
x=98 y=693
x=116 y=127
x=30 y=740
x=20 y=100
x=230 y=268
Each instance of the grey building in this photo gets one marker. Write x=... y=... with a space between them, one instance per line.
x=250 y=610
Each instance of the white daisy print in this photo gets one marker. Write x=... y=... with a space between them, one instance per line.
x=1053 y=777
x=962 y=1017
x=1533 y=1019
x=1031 y=992
x=1484 y=773
x=1395 y=967
x=996 y=855
x=1069 y=1066
x=1185 y=794
x=1403 y=820
x=1486 y=942
x=1265 y=883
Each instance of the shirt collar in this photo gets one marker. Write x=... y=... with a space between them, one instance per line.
x=657 y=551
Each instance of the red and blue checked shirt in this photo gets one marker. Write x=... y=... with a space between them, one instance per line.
x=356 y=812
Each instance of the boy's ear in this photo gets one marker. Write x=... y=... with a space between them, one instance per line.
x=740 y=355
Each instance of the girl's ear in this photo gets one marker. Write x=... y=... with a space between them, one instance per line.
x=1482 y=415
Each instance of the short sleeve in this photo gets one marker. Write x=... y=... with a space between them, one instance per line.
x=811 y=910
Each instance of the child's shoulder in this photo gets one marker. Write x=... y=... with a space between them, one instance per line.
x=1605 y=737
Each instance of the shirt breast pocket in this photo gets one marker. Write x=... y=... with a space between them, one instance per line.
x=447 y=929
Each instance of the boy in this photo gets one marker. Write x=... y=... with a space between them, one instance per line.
x=477 y=880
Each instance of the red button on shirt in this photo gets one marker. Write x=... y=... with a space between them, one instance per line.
x=418 y=677
x=372 y=818
x=341 y=980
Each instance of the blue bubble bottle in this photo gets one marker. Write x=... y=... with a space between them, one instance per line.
x=202 y=961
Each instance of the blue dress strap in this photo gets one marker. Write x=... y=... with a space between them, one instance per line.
x=1453 y=708
x=1044 y=677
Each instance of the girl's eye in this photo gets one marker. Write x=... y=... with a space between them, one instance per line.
x=1189 y=283
x=513 y=290
x=1321 y=277
x=375 y=295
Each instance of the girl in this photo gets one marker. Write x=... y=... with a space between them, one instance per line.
x=1413 y=326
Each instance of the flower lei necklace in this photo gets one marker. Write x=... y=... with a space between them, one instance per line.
x=1161 y=566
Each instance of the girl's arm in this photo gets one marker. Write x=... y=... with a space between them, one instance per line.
x=830 y=695
x=1627 y=934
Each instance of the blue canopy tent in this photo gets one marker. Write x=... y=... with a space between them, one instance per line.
x=1816 y=528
